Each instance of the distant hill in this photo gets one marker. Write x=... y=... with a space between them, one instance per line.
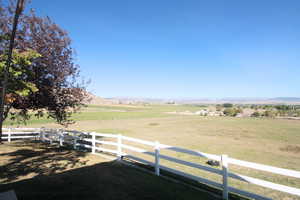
x=277 y=100
x=95 y=100
x=287 y=99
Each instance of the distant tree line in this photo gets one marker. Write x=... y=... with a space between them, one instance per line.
x=260 y=110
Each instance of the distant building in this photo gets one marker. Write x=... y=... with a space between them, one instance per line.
x=202 y=112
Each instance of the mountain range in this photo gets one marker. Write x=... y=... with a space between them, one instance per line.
x=140 y=100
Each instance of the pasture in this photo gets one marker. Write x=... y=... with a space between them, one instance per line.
x=267 y=141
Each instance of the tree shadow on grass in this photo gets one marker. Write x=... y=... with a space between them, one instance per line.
x=35 y=170
x=26 y=159
x=105 y=181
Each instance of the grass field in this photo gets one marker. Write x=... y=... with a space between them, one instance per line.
x=268 y=141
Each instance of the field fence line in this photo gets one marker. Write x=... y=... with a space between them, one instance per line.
x=89 y=140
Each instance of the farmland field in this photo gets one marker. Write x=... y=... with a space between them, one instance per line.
x=273 y=142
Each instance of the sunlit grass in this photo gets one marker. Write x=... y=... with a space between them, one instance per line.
x=261 y=140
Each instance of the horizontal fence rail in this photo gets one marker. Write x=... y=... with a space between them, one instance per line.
x=10 y=134
x=92 y=141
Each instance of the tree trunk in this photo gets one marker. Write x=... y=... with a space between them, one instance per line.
x=19 y=9
x=1 y=116
x=2 y=109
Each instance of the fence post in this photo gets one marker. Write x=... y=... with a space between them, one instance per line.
x=75 y=142
x=119 y=146
x=50 y=135
x=61 y=140
x=9 y=135
x=36 y=136
x=61 y=137
x=93 y=142
x=42 y=134
x=224 y=163
x=157 y=158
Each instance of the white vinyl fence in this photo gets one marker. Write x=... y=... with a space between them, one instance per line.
x=91 y=141
x=10 y=134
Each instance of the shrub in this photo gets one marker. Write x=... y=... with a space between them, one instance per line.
x=269 y=113
x=227 y=105
x=218 y=107
x=255 y=114
x=232 y=112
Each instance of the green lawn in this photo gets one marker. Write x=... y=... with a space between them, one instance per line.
x=274 y=142
x=94 y=112
x=40 y=171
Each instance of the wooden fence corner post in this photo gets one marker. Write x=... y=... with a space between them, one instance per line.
x=224 y=162
x=93 y=143
x=119 y=147
x=9 y=135
x=157 y=149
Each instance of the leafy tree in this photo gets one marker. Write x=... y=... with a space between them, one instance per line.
x=228 y=111
x=269 y=113
x=227 y=105
x=252 y=106
x=239 y=110
x=283 y=107
x=232 y=112
x=218 y=107
x=255 y=114
x=43 y=78
x=18 y=73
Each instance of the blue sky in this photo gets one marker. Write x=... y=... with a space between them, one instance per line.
x=176 y=48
